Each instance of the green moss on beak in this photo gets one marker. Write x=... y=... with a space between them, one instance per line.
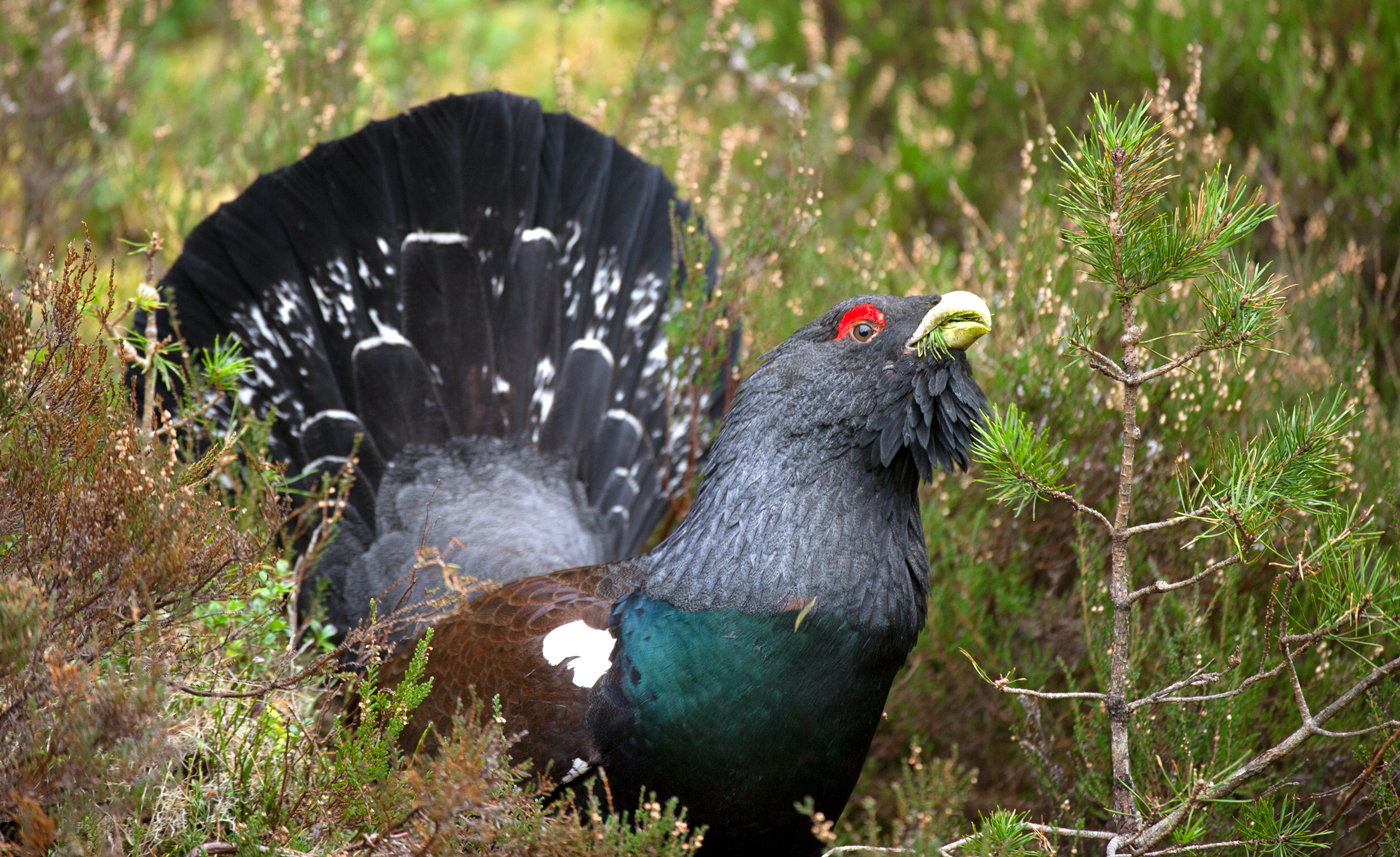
x=959 y=319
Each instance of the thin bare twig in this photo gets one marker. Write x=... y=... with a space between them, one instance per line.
x=1170 y=522
x=1193 y=849
x=1154 y=699
x=1001 y=685
x=1069 y=498
x=1101 y=363
x=280 y=684
x=1299 y=697
x=1070 y=831
x=947 y=850
x=1154 y=834
x=1175 y=363
x=1304 y=641
x=1162 y=586
x=1357 y=733
x=1074 y=832
x=1195 y=679
x=1191 y=354
x=1385 y=828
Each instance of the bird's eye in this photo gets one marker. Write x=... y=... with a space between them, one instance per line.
x=861 y=323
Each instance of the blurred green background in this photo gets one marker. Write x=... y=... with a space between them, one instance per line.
x=837 y=147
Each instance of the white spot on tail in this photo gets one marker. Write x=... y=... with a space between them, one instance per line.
x=435 y=238
x=329 y=414
x=387 y=336
x=587 y=651
x=626 y=417
x=646 y=298
x=543 y=399
x=539 y=233
x=573 y=239
x=383 y=246
x=607 y=283
x=384 y=329
x=593 y=345
x=366 y=275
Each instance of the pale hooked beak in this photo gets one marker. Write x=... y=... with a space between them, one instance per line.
x=957 y=321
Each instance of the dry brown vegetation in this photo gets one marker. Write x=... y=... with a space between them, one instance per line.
x=833 y=152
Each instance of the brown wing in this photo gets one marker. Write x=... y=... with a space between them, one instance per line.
x=495 y=645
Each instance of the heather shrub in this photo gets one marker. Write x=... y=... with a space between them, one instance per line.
x=834 y=149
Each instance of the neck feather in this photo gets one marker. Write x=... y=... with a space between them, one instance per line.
x=790 y=510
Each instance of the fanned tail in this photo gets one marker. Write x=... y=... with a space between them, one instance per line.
x=474 y=268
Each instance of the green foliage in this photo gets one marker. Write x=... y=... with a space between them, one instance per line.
x=1280 y=487
x=922 y=806
x=23 y=611
x=1115 y=183
x=368 y=754
x=1019 y=463
x=224 y=363
x=1241 y=307
x=832 y=153
x=1004 y=834
x=1280 y=829
x=118 y=551
x=1244 y=489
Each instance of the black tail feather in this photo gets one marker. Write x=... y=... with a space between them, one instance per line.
x=472 y=267
x=399 y=401
x=576 y=410
x=336 y=433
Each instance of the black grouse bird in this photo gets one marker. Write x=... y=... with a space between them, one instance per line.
x=477 y=291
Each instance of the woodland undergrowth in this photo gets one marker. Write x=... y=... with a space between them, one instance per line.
x=150 y=561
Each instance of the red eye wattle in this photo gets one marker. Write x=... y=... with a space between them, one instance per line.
x=861 y=323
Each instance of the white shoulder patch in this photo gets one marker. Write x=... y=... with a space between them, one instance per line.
x=587 y=651
x=578 y=769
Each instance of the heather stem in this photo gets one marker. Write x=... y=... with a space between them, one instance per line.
x=148 y=401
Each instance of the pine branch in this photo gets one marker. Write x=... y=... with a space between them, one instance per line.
x=1155 y=833
x=1247 y=488
x=1021 y=466
x=1115 y=186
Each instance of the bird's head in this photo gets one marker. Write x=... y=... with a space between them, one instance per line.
x=811 y=487
x=887 y=374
